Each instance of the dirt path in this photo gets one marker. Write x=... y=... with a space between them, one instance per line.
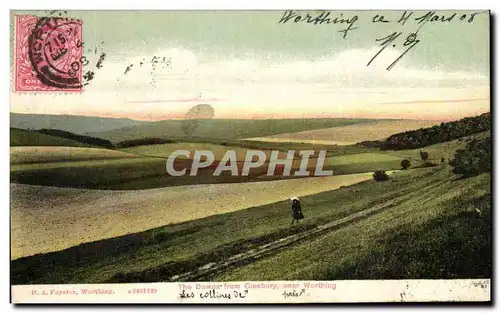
x=212 y=268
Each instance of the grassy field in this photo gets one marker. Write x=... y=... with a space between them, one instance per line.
x=425 y=232
x=20 y=137
x=124 y=170
x=147 y=173
x=220 y=146
x=47 y=219
x=362 y=158
x=223 y=128
x=335 y=159
x=164 y=150
x=111 y=169
x=434 y=233
x=123 y=173
x=281 y=146
x=350 y=134
x=363 y=162
x=49 y=154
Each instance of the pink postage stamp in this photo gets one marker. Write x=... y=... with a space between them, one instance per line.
x=48 y=54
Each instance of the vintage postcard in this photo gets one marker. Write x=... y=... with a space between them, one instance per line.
x=250 y=156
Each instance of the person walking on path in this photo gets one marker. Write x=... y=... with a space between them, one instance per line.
x=296 y=210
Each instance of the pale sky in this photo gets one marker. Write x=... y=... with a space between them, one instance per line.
x=247 y=65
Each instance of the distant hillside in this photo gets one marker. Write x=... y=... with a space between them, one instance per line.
x=221 y=128
x=431 y=135
x=21 y=137
x=379 y=129
x=92 y=141
x=72 y=123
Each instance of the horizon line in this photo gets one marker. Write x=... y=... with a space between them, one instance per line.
x=250 y=118
x=148 y=117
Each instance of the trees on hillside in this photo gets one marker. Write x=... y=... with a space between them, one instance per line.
x=142 y=142
x=93 y=141
x=474 y=159
x=444 y=132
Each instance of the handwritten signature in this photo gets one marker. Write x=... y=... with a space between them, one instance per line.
x=352 y=21
x=293 y=293
x=411 y=41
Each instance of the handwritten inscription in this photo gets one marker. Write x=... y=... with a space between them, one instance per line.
x=213 y=294
x=322 y=17
x=348 y=22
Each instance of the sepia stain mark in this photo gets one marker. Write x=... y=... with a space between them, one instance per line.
x=192 y=117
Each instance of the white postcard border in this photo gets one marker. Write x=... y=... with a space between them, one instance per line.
x=344 y=291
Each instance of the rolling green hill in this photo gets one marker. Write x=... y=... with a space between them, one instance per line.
x=221 y=128
x=144 y=172
x=422 y=223
x=73 y=123
x=427 y=225
x=21 y=137
x=430 y=230
x=54 y=137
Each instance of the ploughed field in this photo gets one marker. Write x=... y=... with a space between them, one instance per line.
x=350 y=134
x=46 y=218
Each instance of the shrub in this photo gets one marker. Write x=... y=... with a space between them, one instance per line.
x=424 y=155
x=380 y=176
x=405 y=164
x=474 y=159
